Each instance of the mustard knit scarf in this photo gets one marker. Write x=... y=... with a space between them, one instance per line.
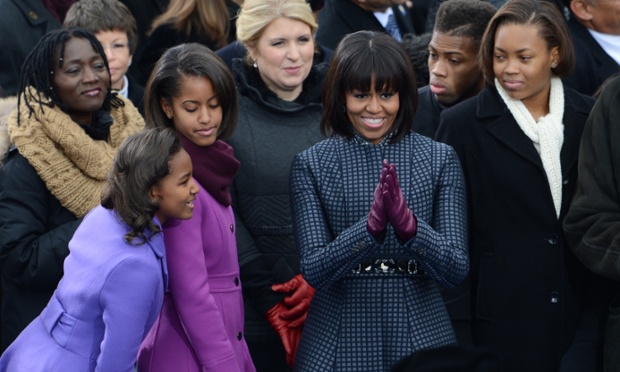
x=72 y=165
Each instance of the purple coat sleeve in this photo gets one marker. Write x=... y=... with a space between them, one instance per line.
x=127 y=299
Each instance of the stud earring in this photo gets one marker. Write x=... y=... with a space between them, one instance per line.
x=255 y=65
x=554 y=65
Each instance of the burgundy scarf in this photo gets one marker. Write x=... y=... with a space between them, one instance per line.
x=215 y=167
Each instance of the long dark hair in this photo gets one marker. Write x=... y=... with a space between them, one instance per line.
x=187 y=60
x=141 y=162
x=38 y=68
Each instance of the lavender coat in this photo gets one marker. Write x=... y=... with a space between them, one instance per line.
x=201 y=324
x=106 y=302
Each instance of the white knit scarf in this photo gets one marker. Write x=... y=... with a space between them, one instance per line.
x=547 y=134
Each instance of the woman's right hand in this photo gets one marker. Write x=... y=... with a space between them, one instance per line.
x=378 y=218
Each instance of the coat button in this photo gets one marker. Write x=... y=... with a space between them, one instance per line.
x=239 y=336
x=553 y=239
x=237 y=282
x=554 y=297
x=232 y=228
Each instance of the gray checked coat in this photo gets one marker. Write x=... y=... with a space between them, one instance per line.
x=366 y=316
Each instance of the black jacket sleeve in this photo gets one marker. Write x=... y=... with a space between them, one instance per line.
x=34 y=228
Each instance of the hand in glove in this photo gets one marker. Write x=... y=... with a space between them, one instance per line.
x=298 y=301
x=378 y=218
x=295 y=334
x=400 y=216
x=274 y=317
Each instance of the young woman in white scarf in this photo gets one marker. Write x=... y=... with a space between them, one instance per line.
x=64 y=136
x=518 y=142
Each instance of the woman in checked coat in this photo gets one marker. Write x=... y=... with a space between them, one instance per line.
x=375 y=248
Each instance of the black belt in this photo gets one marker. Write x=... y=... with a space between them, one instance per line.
x=405 y=266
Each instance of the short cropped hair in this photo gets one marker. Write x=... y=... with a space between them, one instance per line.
x=464 y=18
x=187 y=60
x=256 y=15
x=141 y=162
x=360 y=57
x=103 y=15
x=551 y=28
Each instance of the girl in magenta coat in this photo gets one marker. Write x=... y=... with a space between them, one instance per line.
x=200 y=327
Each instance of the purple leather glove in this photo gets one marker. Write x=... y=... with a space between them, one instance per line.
x=297 y=302
x=400 y=216
x=378 y=218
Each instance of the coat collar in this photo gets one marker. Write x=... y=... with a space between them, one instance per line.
x=504 y=128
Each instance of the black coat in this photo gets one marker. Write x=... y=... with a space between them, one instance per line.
x=31 y=253
x=22 y=24
x=426 y=118
x=166 y=36
x=136 y=94
x=144 y=11
x=592 y=224
x=527 y=288
x=341 y=17
x=592 y=64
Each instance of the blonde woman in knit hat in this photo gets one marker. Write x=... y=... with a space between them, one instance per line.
x=518 y=141
x=64 y=136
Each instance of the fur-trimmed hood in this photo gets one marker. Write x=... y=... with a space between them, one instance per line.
x=7 y=105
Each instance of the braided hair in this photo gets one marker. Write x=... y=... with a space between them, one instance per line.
x=38 y=70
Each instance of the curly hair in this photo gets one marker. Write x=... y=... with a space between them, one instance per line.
x=141 y=162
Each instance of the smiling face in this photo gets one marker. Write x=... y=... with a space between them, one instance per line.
x=284 y=55
x=116 y=46
x=372 y=114
x=453 y=68
x=522 y=64
x=83 y=80
x=177 y=191
x=196 y=112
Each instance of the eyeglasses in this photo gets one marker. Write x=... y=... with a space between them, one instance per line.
x=116 y=47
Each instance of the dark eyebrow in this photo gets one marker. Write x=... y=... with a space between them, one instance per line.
x=518 y=50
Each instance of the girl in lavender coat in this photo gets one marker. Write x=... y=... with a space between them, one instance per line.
x=200 y=327
x=115 y=274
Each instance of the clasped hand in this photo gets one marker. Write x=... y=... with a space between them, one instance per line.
x=389 y=205
x=288 y=316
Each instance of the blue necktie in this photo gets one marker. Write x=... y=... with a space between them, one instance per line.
x=392 y=28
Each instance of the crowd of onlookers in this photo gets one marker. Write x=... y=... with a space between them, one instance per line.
x=337 y=185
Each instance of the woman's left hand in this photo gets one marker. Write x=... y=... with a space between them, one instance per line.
x=400 y=216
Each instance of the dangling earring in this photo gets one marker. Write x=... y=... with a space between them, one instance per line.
x=255 y=65
x=554 y=65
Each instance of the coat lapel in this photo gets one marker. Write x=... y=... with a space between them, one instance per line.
x=504 y=127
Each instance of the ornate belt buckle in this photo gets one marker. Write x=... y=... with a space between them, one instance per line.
x=384 y=266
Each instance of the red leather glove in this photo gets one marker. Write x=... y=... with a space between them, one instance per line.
x=400 y=216
x=295 y=334
x=378 y=218
x=274 y=317
x=298 y=301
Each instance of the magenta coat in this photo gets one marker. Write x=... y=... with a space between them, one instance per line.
x=200 y=327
